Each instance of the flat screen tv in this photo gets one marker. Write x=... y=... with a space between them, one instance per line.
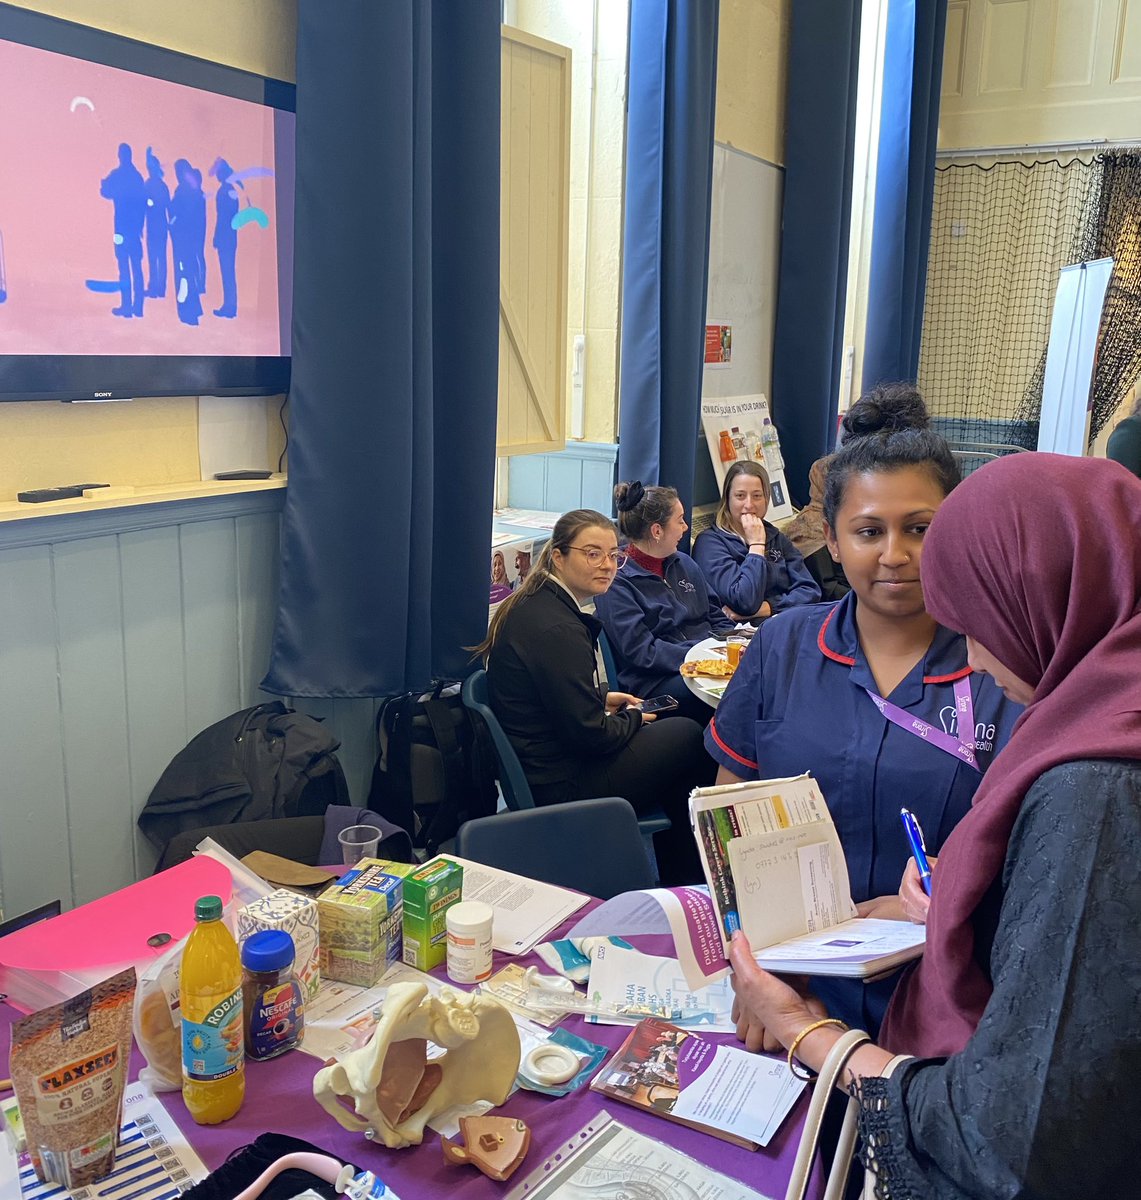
x=146 y=219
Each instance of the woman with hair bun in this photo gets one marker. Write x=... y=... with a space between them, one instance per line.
x=575 y=740
x=660 y=605
x=837 y=689
x=1016 y=1035
x=751 y=567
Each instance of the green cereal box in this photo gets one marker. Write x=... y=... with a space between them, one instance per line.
x=360 y=917
x=429 y=891
x=297 y=915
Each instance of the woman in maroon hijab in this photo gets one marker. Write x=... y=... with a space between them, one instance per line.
x=1024 y=1016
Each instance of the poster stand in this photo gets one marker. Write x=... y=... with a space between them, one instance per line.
x=739 y=428
x=1078 y=303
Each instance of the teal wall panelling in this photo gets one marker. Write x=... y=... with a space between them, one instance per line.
x=123 y=633
x=154 y=657
x=35 y=861
x=92 y=715
x=580 y=476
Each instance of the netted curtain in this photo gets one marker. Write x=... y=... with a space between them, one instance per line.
x=1000 y=232
x=1113 y=230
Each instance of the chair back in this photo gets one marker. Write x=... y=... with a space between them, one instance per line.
x=516 y=789
x=594 y=846
x=608 y=662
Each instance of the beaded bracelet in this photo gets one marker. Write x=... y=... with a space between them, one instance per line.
x=809 y=1077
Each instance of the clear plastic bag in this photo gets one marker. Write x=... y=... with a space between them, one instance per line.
x=156 y=1020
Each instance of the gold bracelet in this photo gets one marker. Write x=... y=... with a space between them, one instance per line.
x=808 y=1078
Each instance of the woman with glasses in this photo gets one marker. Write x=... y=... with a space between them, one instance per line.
x=660 y=605
x=574 y=739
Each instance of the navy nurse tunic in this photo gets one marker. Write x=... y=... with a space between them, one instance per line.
x=797 y=703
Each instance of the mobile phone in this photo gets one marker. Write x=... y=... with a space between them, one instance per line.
x=656 y=704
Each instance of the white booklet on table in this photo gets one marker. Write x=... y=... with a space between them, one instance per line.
x=777 y=871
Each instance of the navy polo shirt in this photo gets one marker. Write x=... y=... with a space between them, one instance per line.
x=797 y=703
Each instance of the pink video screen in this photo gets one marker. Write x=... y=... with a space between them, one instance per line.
x=139 y=216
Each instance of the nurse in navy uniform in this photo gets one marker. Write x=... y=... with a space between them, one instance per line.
x=835 y=689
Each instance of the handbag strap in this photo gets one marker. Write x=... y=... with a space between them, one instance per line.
x=813 y=1123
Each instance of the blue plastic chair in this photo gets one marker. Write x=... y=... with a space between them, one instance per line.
x=594 y=846
x=516 y=789
x=608 y=662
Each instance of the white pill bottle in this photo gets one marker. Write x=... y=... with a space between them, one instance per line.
x=469 y=941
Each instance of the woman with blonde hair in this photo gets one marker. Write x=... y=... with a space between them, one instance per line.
x=750 y=566
x=574 y=739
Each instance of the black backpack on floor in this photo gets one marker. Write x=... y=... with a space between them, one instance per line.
x=435 y=768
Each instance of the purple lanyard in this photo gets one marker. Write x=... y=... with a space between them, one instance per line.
x=962 y=746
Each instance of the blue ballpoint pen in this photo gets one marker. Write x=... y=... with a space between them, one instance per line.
x=918 y=849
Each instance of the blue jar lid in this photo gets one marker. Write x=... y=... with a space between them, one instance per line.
x=269 y=950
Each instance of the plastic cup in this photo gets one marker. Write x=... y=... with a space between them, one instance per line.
x=735 y=646
x=357 y=842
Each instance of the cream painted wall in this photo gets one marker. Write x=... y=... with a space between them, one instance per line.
x=1020 y=72
x=752 y=58
x=147 y=440
x=255 y=35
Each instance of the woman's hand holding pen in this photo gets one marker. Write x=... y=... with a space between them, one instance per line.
x=912 y=898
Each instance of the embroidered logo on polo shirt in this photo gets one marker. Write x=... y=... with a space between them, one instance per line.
x=685 y=585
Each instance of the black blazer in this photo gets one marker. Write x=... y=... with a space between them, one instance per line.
x=545 y=690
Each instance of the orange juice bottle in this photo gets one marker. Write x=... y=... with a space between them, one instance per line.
x=210 y=995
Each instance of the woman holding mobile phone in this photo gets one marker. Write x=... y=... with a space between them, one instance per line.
x=574 y=739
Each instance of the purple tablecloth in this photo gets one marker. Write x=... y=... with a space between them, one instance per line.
x=279 y=1097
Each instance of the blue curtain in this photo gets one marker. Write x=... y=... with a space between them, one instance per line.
x=824 y=50
x=905 y=188
x=387 y=524
x=669 y=179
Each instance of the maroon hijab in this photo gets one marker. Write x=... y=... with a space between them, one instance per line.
x=1038 y=558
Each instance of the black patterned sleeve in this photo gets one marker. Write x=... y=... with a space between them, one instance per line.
x=1044 y=1101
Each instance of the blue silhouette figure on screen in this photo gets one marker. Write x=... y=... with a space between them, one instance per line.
x=124 y=187
x=188 y=238
x=226 y=236
x=157 y=226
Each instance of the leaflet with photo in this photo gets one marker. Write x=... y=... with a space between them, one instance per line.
x=713 y=1086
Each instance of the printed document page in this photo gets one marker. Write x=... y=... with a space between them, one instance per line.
x=607 y=1159
x=733 y=1090
x=525 y=909
x=843 y=947
x=790 y=882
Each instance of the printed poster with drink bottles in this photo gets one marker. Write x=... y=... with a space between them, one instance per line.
x=740 y=428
